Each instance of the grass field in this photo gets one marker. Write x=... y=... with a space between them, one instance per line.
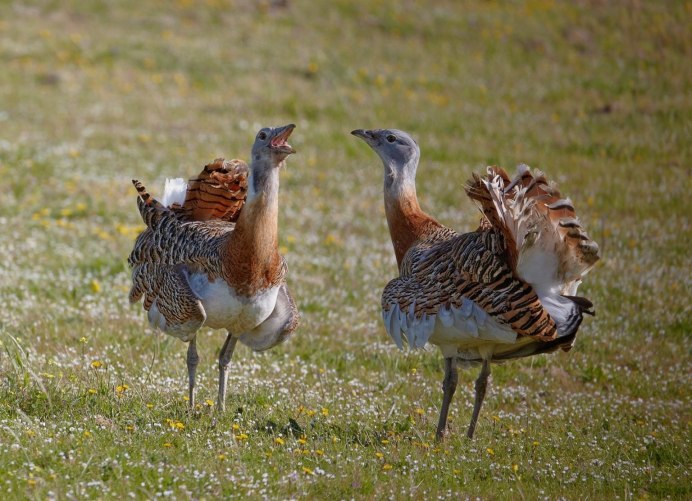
x=93 y=93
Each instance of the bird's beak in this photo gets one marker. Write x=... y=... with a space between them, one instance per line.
x=365 y=135
x=281 y=135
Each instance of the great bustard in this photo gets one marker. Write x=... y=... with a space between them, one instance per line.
x=217 y=273
x=504 y=291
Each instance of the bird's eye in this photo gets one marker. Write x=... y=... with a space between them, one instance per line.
x=391 y=138
x=262 y=135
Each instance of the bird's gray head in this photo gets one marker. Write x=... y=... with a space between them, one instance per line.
x=270 y=144
x=398 y=151
x=268 y=153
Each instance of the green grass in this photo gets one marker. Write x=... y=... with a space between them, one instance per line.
x=94 y=93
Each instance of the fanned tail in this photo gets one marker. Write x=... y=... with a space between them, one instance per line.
x=555 y=229
x=546 y=244
x=218 y=192
x=487 y=192
x=552 y=248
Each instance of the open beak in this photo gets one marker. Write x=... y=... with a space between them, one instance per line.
x=281 y=135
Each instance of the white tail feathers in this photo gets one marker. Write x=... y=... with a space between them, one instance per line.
x=174 y=192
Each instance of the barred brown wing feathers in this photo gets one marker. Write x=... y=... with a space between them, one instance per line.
x=175 y=299
x=469 y=267
x=178 y=310
x=162 y=256
x=172 y=242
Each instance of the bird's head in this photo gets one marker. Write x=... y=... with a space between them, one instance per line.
x=271 y=144
x=397 y=149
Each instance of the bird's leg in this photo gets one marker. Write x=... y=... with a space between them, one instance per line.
x=224 y=360
x=481 y=385
x=192 y=361
x=449 y=386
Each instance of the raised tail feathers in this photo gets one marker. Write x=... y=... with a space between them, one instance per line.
x=488 y=194
x=553 y=251
x=218 y=192
x=549 y=248
x=149 y=208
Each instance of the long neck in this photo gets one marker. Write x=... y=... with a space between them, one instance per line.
x=407 y=221
x=252 y=261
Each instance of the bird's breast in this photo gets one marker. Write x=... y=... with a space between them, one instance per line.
x=226 y=309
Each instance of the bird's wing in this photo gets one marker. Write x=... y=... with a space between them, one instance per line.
x=467 y=283
x=218 y=192
x=169 y=241
x=171 y=304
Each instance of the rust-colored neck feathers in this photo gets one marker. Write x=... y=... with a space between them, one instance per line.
x=251 y=259
x=407 y=221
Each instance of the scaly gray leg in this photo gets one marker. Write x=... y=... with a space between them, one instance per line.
x=481 y=385
x=224 y=360
x=449 y=386
x=192 y=361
